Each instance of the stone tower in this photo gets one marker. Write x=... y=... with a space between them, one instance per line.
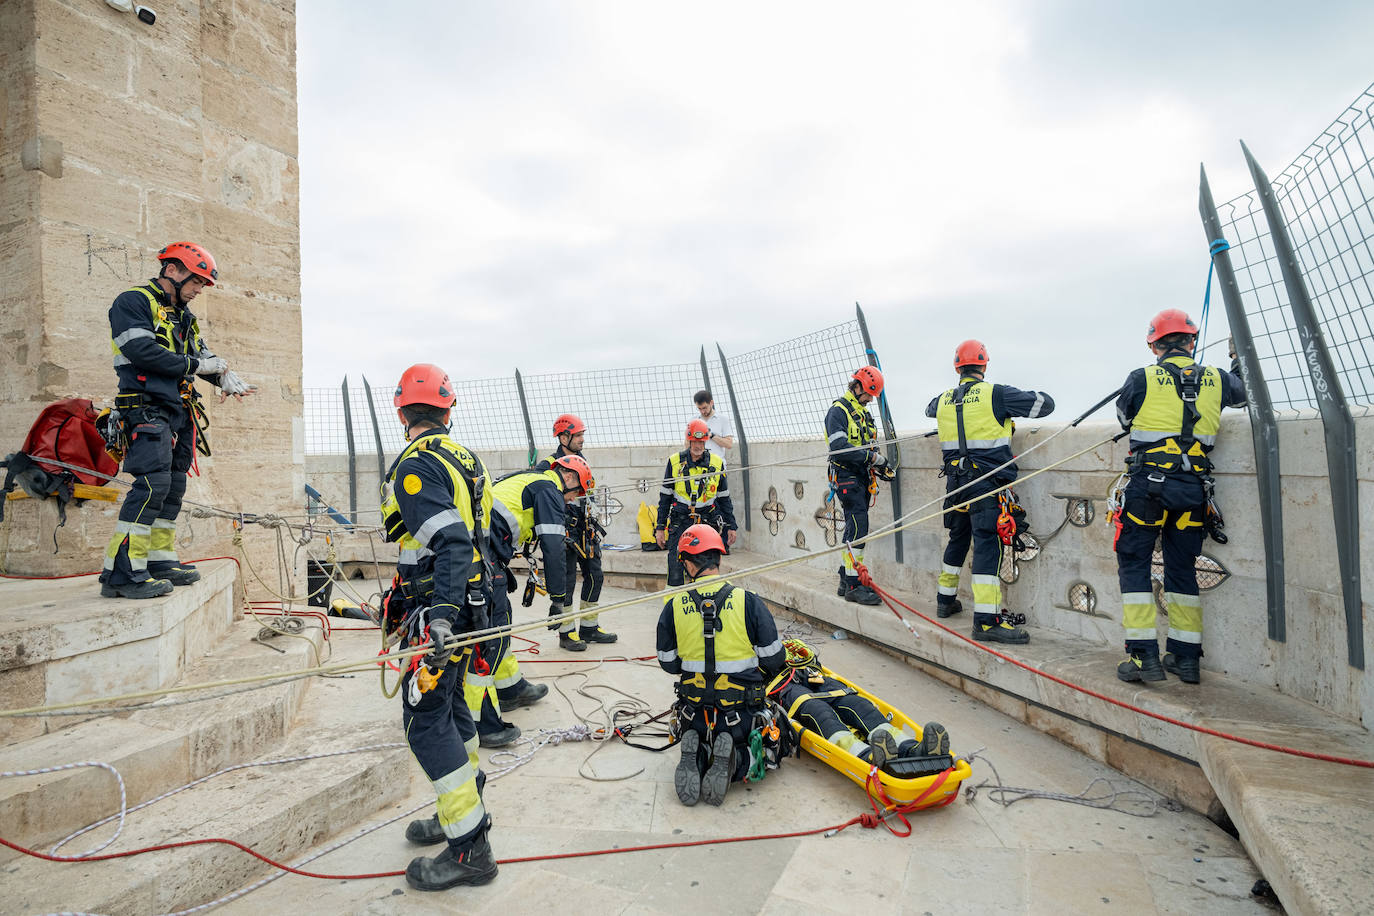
x=116 y=137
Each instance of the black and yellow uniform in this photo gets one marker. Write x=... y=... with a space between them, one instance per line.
x=157 y=350
x=440 y=494
x=693 y=490
x=723 y=644
x=530 y=507
x=834 y=711
x=975 y=427
x=849 y=431
x=1166 y=493
x=583 y=551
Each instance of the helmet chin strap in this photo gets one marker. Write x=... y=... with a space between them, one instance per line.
x=177 y=299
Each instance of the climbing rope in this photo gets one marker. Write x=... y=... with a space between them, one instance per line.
x=1139 y=803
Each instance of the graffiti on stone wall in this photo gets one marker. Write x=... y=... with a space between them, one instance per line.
x=114 y=258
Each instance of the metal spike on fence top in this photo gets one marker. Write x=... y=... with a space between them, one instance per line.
x=1337 y=423
x=1263 y=428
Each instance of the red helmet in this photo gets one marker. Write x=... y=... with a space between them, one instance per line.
x=699 y=539
x=1170 y=321
x=970 y=353
x=578 y=466
x=570 y=424
x=194 y=258
x=870 y=378
x=697 y=429
x=424 y=383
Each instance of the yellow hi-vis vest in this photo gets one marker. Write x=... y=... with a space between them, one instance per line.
x=860 y=428
x=1157 y=428
x=706 y=669
x=164 y=331
x=696 y=487
x=983 y=432
x=471 y=487
x=510 y=499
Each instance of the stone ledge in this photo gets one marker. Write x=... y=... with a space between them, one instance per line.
x=1304 y=822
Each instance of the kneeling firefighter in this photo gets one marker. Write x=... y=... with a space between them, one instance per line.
x=833 y=710
x=722 y=642
x=436 y=501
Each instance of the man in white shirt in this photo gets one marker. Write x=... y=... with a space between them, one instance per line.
x=722 y=427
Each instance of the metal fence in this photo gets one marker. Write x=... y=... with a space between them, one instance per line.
x=1326 y=197
x=776 y=392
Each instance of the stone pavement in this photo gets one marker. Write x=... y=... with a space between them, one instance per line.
x=1038 y=856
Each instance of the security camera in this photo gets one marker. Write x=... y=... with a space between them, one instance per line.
x=145 y=15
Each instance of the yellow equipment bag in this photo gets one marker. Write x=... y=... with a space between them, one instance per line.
x=648 y=519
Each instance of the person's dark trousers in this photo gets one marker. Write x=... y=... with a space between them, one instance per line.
x=1174 y=519
x=443 y=738
x=739 y=732
x=852 y=494
x=976 y=526
x=676 y=525
x=159 y=443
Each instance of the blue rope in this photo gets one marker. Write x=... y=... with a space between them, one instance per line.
x=1218 y=246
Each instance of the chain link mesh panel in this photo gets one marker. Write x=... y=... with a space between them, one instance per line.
x=1325 y=196
x=783 y=392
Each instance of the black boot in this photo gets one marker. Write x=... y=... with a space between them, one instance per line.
x=687 y=777
x=176 y=573
x=947 y=606
x=862 y=594
x=473 y=864
x=1187 y=670
x=508 y=735
x=717 y=777
x=934 y=740
x=148 y=588
x=1141 y=665
x=522 y=694
x=844 y=585
x=595 y=634
x=425 y=832
x=998 y=628
x=571 y=641
x=882 y=746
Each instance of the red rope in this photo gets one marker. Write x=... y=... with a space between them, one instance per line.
x=866 y=579
x=867 y=820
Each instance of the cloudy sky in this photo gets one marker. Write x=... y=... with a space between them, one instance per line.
x=576 y=185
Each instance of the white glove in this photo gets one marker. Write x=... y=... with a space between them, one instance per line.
x=879 y=460
x=211 y=366
x=231 y=384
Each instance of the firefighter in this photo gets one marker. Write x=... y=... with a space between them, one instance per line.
x=158 y=352
x=437 y=502
x=975 y=427
x=694 y=490
x=1172 y=408
x=584 y=533
x=529 y=506
x=722 y=643
x=848 y=720
x=855 y=466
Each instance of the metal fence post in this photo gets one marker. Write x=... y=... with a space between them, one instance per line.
x=1337 y=423
x=705 y=376
x=376 y=433
x=739 y=431
x=525 y=412
x=889 y=433
x=1264 y=430
x=352 y=456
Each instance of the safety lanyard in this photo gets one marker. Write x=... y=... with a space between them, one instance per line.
x=959 y=393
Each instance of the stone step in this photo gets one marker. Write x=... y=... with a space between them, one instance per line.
x=60 y=641
x=278 y=810
x=156 y=748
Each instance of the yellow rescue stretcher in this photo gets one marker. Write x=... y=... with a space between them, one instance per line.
x=939 y=788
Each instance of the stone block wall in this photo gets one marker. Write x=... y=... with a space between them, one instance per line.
x=117 y=137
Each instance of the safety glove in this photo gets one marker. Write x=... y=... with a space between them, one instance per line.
x=233 y=385
x=211 y=366
x=441 y=633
